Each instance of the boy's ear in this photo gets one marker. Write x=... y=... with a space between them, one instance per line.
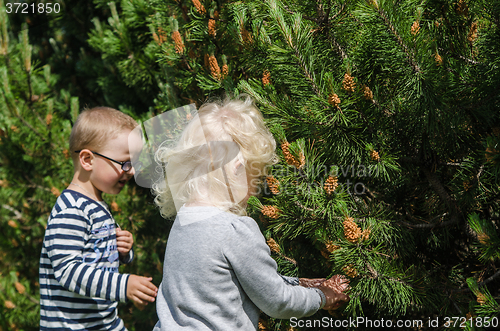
x=86 y=159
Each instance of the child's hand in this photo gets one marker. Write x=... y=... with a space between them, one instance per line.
x=333 y=289
x=311 y=282
x=124 y=241
x=141 y=291
x=334 y=300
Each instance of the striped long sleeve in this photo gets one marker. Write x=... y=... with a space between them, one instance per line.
x=79 y=280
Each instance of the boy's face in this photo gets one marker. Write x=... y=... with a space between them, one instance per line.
x=107 y=176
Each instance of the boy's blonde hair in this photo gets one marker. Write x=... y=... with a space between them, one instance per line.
x=190 y=164
x=95 y=127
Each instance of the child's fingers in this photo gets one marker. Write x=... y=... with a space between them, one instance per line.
x=145 y=296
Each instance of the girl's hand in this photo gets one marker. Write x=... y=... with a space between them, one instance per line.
x=311 y=282
x=124 y=241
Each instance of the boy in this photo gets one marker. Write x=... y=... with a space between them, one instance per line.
x=79 y=281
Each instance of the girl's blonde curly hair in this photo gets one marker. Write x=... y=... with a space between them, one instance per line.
x=201 y=167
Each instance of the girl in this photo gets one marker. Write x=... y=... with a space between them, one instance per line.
x=218 y=273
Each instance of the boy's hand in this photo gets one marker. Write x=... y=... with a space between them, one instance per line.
x=124 y=241
x=141 y=291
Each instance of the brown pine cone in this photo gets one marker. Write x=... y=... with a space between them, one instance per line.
x=214 y=67
x=179 y=45
x=271 y=211
x=374 y=155
x=415 y=27
x=334 y=100
x=350 y=271
x=331 y=184
x=273 y=245
x=199 y=7
x=273 y=184
x=266 y=78
x=348 y=83
x=352 y=232
x=211 y=27
x=367 y=93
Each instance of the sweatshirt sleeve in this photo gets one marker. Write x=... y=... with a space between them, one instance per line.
x=65 y=239
x=129 y=258
x=251 y=260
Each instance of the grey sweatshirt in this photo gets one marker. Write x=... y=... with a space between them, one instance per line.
x=218 y=274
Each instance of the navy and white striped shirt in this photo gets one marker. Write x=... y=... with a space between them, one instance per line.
x=79 y=281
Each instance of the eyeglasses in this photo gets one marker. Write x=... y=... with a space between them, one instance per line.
x=126 y=165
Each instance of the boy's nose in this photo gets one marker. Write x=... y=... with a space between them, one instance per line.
x=131 y=172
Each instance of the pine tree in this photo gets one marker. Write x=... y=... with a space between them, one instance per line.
x=385 y=112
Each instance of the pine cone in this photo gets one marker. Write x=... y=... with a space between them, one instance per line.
x=352 y=232
x=348 y=83
x=266 y=77
x=273 y=245
x=211 y=27
x=225 y=70
x=289 y=157
x=114 y=206
x=9 y=304
x=214 y=67
x=481 y=299
x=483 y=238
x=331 y=184
x=205 y=60
x=271 y=211
x=367 y=93
x=179 y=45
x=273 y=184
x=55 y=191
x=48 y=119
x=374 y=155
x=331 y=247
x=350 y=271
x=415 y=27
x=199 y=7
x=334 y=100
x=20 y=287
x=160 y=37
x=472 y=32
x=467 y=185
x=439 y=59
x=12 y=224
x=262 y=325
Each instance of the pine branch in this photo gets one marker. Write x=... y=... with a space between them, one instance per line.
x=431 y=225
x=400 y=41
x=441 y=191
x=19 y=215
